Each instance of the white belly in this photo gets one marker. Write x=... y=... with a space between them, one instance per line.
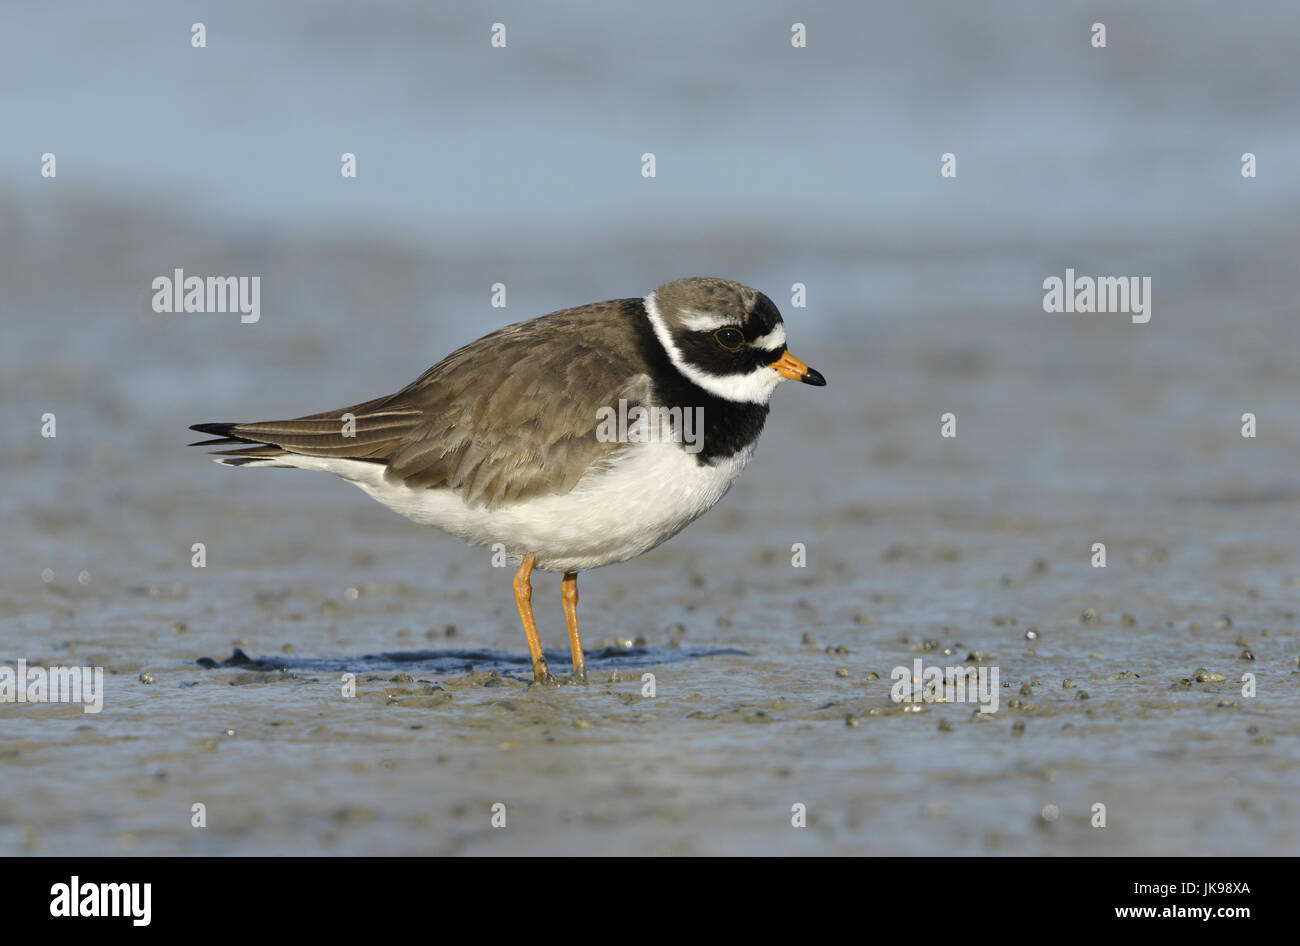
x=650 y=493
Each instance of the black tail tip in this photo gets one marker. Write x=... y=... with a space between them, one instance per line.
x=221 y=430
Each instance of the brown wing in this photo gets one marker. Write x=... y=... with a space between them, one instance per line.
x=510 y=416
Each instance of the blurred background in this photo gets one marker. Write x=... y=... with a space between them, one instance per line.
x=775 y=165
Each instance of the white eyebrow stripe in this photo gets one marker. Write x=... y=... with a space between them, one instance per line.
x=772 y=340
x=703 y=321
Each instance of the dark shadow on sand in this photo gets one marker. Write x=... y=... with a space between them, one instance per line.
x=452 y=662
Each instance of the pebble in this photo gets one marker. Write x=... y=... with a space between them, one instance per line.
x=146 y=678
x=1090 y=616
x=1208 y=676
x=852 y=722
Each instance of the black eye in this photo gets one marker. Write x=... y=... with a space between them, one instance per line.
x=729 y=338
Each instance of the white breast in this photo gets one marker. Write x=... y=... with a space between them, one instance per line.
x=650 y=493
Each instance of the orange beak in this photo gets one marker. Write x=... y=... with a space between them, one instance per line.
x=788 y=366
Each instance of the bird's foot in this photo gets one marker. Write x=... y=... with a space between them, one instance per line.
x=544 y=677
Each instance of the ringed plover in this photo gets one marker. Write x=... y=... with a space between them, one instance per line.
x=575 y=440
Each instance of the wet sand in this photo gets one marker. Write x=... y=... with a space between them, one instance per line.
x=772 y=683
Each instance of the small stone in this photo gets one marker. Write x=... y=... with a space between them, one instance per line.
x=1018 y=728
x=1083 y=695
x=1223 y=622
x=945 y=726
x=1068 y=684
x=841 y=671
x=1208 y=676
x=1090 y=616
x=1031 y=634
x=147 y=678
x=1026 y=690
x=851 y=721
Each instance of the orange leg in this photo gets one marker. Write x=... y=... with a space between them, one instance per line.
x=569 y=592
x=524 y=600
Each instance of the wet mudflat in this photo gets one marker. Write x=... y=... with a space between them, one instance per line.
x=771 y=682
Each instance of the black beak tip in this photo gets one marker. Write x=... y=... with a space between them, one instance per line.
x=814 y=377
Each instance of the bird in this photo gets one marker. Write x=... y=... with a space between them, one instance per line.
x=573 y=440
